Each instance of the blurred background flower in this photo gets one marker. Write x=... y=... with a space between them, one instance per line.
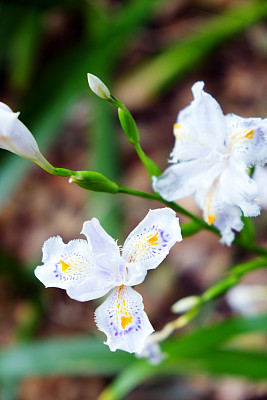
x=148 y=53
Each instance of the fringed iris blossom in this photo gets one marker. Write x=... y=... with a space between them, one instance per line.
x=210 y=159
x=89 y=269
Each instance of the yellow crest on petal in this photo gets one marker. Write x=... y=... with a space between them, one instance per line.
x=123 y=316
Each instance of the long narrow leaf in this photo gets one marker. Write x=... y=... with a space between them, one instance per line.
x=83 y=356
x=157 y=74
x=198 y=352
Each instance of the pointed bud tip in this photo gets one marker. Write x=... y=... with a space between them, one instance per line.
x=98 y=87
x=185 y=304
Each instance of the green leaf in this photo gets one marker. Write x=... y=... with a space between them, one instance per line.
x=76 y=356
x=250 y=365
x=146 y=81
x=198 y=352
x=209 y=338
x=64 y=80
x=24 y=49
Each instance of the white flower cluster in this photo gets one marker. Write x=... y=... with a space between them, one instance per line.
x=210 y=159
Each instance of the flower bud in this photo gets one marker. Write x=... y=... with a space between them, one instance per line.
x=15 y=137
x=128 y=125
x=185 y=304
x=98 y=87
x=94 y=181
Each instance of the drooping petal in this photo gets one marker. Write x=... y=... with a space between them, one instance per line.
x=200 y=127
x=260 y=177
x=65 y=264
x=237 y=188
x=182 y=179
x=105 y=249
x=122 y=318
x=207 y=192
x=216 y=210
x=15 y=137
x=228 y=220
x=152 y=351
x=150 y=242
x=247 y=139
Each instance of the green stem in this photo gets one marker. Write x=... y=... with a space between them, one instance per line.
x=234 y=276
x=248 y=246
x=176 y=207
x=252 y=247
x=64 y=172
x=150 y=166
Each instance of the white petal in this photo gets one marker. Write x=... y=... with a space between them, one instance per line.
x=5 y=107
x=98 y=87
x=216 y=210
x=152 y=351
x=105 y=249
x=150 y=242
x=94 y=286
x=247 y=139
x=238 y=189
x=51 y=248
x=228 y=221
x=122 y=318
x=182 y=179
x=260 y=177
x=64 y=264
x=200 y=127
x=15 y=137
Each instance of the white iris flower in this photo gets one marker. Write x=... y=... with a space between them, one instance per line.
x=89 y=269
x=210 y=159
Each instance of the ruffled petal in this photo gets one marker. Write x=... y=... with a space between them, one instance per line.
x=150 y=242
x=200 y=127
x=65 y=264
x=228 y=220
x=182 y=179
x=247 y=139
x=105 y=249
x=152 y=351
x=122 y=318
x=260 y=177
x=217 y=210
x=238 y=189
